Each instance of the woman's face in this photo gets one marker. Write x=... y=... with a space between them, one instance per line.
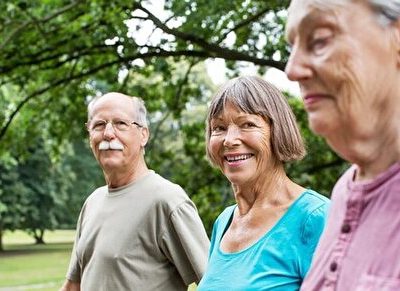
x=346 y=66
x=240 y=144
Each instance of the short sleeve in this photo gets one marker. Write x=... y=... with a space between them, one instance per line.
x=74 y=269
x=185 y=242
x=313 y=227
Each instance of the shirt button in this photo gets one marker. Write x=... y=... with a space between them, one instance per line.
x=346 y=228
x=333 y=266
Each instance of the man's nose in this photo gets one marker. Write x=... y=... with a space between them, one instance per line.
x=232 y=136
x=298 y=67
x=109 y=131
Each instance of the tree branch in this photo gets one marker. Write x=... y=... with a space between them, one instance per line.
x=244 y=23
x=178 y=94
x=214 y=50
x=77 y=53
x=60 y=82
x=27 y=23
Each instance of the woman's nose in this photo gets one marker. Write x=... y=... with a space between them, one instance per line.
x=298 y=67
x=232 y=136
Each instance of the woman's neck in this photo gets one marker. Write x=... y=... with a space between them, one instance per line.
x=275 y=191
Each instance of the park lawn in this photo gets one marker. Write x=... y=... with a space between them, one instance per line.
x=41 y=266
x=37 y=267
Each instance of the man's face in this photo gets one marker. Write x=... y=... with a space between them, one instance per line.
x=346 y=66
x=127 y=152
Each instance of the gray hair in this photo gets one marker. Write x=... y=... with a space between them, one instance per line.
x=387 y=11
x=254 y=95
x=137 y=103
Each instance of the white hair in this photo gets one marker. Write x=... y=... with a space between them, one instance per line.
x=387 y=11
x=138 y=105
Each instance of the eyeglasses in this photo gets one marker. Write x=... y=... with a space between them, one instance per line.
x=118 y=124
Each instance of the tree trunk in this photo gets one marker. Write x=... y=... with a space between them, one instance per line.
x=38 y=235
x=1 y=237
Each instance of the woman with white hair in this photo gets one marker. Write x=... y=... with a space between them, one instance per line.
x=346 y=57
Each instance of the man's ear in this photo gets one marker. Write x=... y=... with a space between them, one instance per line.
x=145 y=136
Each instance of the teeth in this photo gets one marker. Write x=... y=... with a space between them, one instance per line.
x=238 y=158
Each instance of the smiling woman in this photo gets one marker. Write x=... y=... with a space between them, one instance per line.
x=266 y=240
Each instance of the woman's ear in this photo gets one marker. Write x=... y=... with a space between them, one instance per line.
x=396 y=39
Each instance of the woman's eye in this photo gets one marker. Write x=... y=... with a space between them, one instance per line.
x=217 y=128
x=248 y=125
x=318 y=44
x=320 y=39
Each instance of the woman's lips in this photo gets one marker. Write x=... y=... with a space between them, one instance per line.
x=311 y=99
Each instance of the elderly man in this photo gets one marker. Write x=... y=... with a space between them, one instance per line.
x=346 y=57
x=140 y=231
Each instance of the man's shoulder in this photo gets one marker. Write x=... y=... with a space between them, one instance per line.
x=164 y=190
x=100 y=191
x=155 y=180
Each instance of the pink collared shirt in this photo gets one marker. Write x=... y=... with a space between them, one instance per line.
x=360 y=247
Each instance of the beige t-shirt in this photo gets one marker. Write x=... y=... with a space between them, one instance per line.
x=144 y=236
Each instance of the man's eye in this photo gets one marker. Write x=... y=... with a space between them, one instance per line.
x=121 y=124
x=99 y=125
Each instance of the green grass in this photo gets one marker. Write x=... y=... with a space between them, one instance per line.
x=26 y=266
x=19 y=237
x=43 y=267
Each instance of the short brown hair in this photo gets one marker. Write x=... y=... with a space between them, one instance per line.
x=254 y=95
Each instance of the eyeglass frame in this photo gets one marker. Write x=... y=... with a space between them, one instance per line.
x=112 y=122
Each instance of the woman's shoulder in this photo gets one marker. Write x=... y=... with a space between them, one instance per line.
x=311 y=200
x=315 y=208
x=227 y=213
x=225 y=217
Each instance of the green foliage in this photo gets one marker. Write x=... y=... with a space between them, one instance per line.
x=57 y=55
x=12 y=196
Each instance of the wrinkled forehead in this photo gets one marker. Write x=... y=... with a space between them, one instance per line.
x=112 y=104
x=301 y=10
x=320 y=4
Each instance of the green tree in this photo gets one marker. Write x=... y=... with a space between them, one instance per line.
x=12 y=197
x=58 y=54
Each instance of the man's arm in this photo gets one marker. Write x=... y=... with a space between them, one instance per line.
x=186 y=242
x=70 y=286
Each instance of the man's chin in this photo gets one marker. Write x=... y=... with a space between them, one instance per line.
x=110 y=165
x=110 y=158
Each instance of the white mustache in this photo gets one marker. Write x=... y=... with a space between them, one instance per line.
x=110 y=145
